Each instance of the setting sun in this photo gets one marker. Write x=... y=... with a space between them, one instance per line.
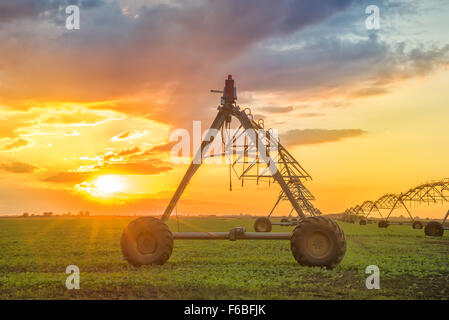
x=108 y=185
x=103 y=186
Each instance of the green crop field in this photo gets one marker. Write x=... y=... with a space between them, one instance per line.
x=34 y=254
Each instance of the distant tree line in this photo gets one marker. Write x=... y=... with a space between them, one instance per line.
x=51 y=214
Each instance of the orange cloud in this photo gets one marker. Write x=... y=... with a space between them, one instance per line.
x=129 y=135
x=67 y=177
x=310 y=115
x=129 y=151
x=277 y=109
x=18 y=167
x=371 y=91
x=143 y=168
x=162 y=148
x=17 y=144
x=315 y=136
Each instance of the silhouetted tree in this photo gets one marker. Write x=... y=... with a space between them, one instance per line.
x=83 y=213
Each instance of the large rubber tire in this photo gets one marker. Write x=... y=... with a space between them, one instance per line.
x=434 y=229
x=283 y=220
x=318 y=241
x=362 y=222
x=146 y=241
x=383 y=224
x=417 y=225
x=262 y=224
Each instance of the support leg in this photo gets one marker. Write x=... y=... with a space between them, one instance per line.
x=275 y=205
x=216 y=125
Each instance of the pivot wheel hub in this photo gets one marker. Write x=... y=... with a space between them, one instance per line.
x=262 y=224
x=146 y=243
x=318 y=245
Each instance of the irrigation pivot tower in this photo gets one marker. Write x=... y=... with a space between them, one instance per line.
x=315 y=241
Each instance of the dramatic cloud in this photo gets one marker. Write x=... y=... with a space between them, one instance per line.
x=67 y=177
x=31 y=9
x=17 y=167
x=366 y=92
x=16 y=144
x=277 y=109
x=325 y=65
x=132 y=168
x=135 y=168
x=77 y=117
x=129 y=135
x=163 y=147
x=310 y=115
x=8 y=129
x=136 y=62
x=129 y=151
x=132 y=62
x=156 y=151
x=20 y=9
x=315 y=136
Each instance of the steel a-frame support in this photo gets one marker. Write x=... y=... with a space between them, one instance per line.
x=225 y=113
x=378 y=211
x=194 y=165
x=399 y=200
x=445 y=217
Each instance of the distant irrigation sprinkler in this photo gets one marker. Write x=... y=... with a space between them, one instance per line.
x=352 y=215
x=315 y=241
x=429 y=193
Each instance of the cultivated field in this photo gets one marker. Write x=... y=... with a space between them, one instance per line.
x=34 y=253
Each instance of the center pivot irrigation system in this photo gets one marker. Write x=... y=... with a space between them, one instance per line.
x=315 y=241
x=428 y=193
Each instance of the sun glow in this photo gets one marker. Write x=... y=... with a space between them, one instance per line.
x=110 y=184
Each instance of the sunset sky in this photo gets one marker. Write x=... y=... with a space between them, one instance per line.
x=86 y=114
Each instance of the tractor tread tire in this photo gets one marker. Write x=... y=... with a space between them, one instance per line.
x=326 y=225
x=383 y=224
x=164 y=242
x=434 y=229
